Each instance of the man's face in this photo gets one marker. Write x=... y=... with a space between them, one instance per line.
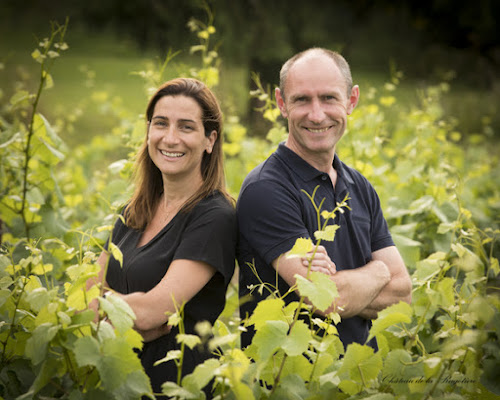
x=316 y=105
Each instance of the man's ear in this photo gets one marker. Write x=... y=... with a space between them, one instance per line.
x=353 y=99
x=280 y=102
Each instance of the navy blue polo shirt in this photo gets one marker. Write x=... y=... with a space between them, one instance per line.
x=273 y=212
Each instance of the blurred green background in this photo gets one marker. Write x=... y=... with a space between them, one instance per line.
x=428 y=41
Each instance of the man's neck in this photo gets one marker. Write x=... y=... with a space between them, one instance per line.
x=321 y=161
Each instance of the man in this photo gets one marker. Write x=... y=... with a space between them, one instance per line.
x=316 y=95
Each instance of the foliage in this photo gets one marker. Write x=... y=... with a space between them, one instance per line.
x=441 y=198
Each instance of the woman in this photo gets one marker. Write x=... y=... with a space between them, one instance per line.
x=179 y=236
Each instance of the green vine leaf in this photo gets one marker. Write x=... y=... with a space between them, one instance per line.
x=360 y=367
x=327 y=234
x=38 y=344
x=297 y=340
x=189 y=340
x=392 y=315
x=201 y=376
x=269 y=338
x=301 y=247
x=269 y=309
x=116 y=252
x=320 y=289
x=119 y=312
x=171 y=355
x=87 y=351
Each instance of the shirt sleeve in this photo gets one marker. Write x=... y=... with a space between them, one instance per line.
x=380 y=235
x=210 y=236
x=269 y=217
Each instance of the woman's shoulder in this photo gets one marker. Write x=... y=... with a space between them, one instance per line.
x=215 y=205
x=216 y=200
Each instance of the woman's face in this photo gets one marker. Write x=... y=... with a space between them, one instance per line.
x=176 y=138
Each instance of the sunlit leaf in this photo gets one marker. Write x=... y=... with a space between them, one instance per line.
x=171 y=355
x=269 y=309
x=42 y=269
x=361 y=365
x=175 y=391
x=395 y=314
x=320 y=289
x=134 y=386
x=301 y=247
x=118 y=311
x=297 y=340
x=189 y=340
x=237 y=365
x=270 y=337
x=202 y=375
x=327 y=234
x=117 y=253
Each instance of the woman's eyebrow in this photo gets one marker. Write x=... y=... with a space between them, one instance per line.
x=180 y=120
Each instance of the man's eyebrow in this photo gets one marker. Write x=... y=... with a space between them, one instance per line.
x=294 y=97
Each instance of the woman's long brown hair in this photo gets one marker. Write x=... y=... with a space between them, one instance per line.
x=148 y=180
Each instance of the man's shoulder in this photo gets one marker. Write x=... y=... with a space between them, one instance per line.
x=352 y=175
x=270 y=170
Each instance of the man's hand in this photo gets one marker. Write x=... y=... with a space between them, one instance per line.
x=321 y=261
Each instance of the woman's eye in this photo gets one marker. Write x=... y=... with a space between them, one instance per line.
x=159 y=123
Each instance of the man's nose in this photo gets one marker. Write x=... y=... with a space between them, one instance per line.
x=316 y=113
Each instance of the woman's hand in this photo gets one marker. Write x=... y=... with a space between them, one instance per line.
x=321 y=261
x=155 y=333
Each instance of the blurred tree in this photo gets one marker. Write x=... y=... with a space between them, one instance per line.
x=263 y=33
x=424 y=38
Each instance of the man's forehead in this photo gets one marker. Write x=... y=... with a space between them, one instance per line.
x=315 y=76
x=312 y=59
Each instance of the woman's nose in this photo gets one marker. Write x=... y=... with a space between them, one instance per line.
x=171 y=135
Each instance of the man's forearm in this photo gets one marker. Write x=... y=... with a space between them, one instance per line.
x=359 y=287
x=398 y=289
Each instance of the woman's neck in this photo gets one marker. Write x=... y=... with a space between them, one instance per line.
x=179 y=191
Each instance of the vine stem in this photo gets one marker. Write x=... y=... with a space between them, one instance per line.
x=302 y=298
x=4 y=352
x=31 y=129
x=362 y=376
x=436 y=383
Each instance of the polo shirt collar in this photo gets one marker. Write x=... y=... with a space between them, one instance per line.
x=297 y=164
x=305 y=170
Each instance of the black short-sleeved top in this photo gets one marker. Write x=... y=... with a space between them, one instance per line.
x=273 y=212
x=208 y=233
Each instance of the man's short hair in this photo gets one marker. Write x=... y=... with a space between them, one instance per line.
x=337 y=58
